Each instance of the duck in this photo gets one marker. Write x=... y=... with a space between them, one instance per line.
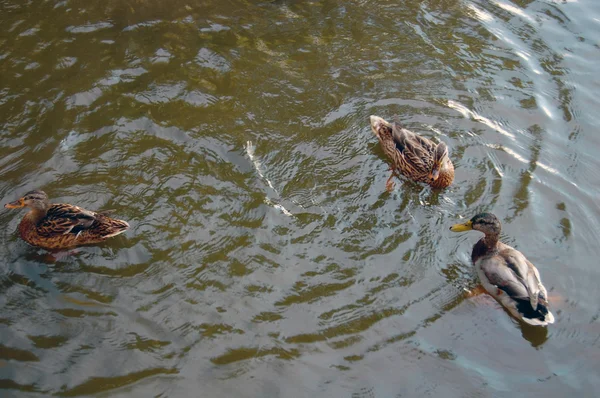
x=506 y=274
x=414 y=156
x=56 y=226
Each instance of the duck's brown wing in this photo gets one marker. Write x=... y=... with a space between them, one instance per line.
x=417 y=150
x=65 y=218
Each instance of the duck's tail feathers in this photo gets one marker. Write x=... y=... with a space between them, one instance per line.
x=116 y=227
x=541 y=316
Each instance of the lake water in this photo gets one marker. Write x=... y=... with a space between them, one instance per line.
x=265 y=257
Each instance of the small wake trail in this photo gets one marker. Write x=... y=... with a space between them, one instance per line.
x=257 y=165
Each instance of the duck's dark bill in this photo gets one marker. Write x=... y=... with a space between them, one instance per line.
x=17 y=204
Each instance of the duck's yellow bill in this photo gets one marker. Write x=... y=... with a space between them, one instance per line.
x=17 y=204
x=462 y=227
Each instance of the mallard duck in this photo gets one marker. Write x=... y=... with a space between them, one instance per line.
x=416 y=157
x=506 y=274
x=63 y=226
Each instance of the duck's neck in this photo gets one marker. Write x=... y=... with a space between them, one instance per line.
x=490 y=240
x=485 y=246
x=446 y=176
x=386 y=135
x=35 y=215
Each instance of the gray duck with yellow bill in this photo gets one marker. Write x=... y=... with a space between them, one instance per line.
x=506 y=274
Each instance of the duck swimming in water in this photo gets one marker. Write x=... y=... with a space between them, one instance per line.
x=62 y=226
x=506 y=274
x=414 y=156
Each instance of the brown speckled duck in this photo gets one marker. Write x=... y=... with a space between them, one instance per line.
x=415 y=157
x=506 y=274
x=63 y=226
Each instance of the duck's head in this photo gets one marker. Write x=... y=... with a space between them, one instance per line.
x=379 y=126
x=36 y=200
x=440 y=156
x=484 y=222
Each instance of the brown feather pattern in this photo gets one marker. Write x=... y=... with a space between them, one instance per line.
x=65 y=226
x=411 y=154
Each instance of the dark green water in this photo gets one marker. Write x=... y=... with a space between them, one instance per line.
x=265 y=257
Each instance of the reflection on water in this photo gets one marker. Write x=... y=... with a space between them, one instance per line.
x=265 y=257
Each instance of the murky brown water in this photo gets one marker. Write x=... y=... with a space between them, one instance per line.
x=265 y=257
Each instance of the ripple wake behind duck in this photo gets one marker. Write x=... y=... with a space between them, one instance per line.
x=257 y=165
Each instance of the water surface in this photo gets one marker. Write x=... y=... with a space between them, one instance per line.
x=265 y=257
